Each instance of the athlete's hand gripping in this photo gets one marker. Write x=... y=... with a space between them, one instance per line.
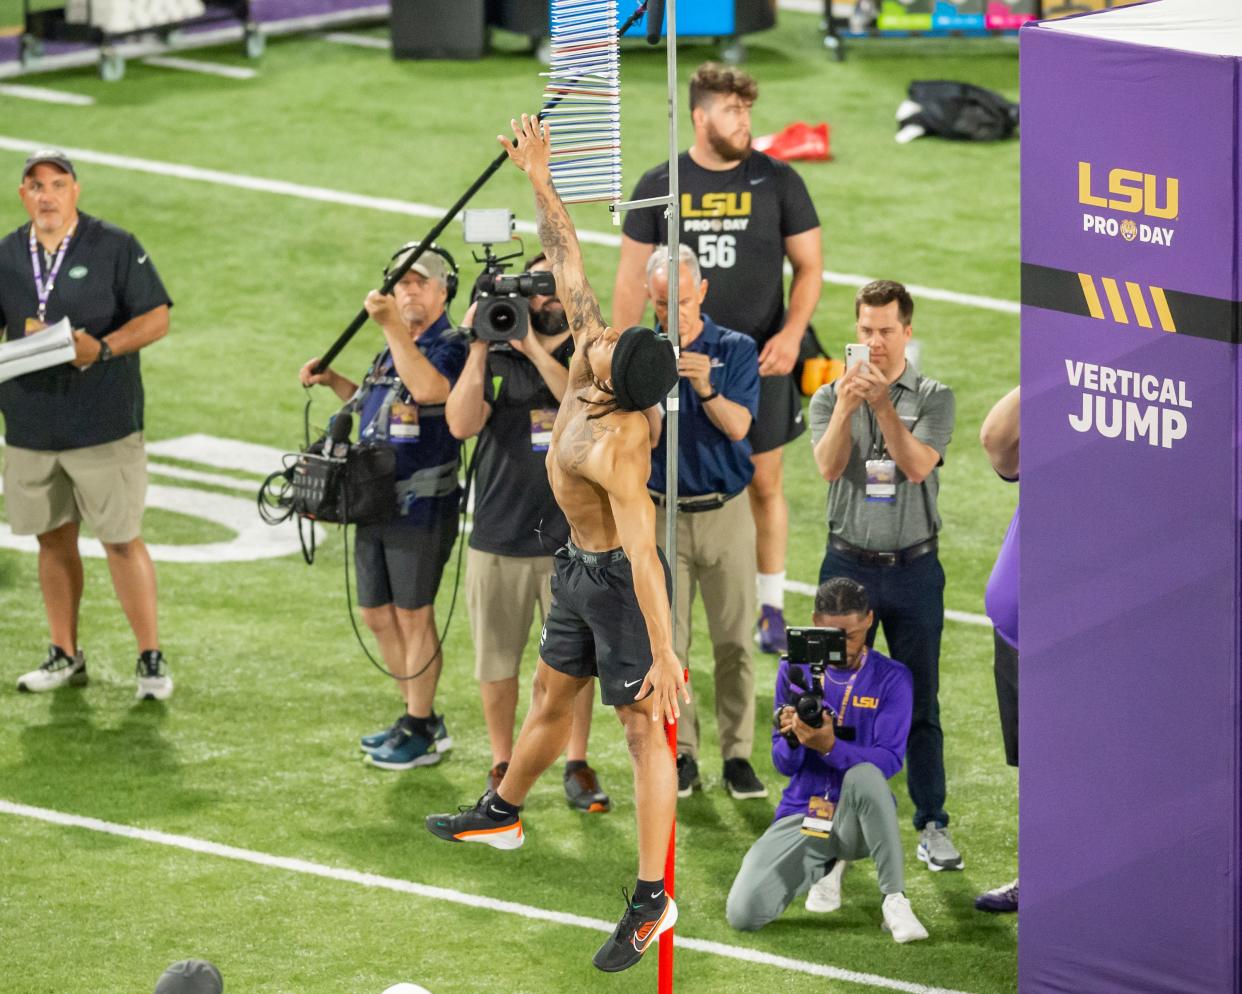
x=663 y=680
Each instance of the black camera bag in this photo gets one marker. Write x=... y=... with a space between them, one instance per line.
x=360 y=489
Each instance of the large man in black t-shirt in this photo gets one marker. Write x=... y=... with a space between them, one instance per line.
x=508 y=395
x=743 y=213
x=73 y=433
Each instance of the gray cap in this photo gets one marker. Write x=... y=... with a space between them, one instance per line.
x=53 y=155
x=190 y=976
x=430 y=264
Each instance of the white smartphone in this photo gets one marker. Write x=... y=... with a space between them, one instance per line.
x=855 y=354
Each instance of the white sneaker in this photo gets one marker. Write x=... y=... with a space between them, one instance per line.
x=154 y=683
x=58 y=670
x=899 y=919
x=825 y=894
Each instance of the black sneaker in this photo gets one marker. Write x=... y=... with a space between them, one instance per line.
x=687 y=775
x=634 y=934
x=583 y=792
x=481 y=823
x=741 y=781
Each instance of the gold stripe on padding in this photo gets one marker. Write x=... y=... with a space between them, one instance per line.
x=1093 y=298
x=1114 y=300
x=1139 y=304
x=1162 y=309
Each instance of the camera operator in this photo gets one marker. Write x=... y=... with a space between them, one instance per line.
x=399 y=564
x=837 y=806
x=879 y=435
x=718 y=398
x=508 y=395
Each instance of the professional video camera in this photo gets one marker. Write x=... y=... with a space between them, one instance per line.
x=502 y=308
x=814 y=648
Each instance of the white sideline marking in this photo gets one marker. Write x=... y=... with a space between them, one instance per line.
x=412 y=209
x=808 y=589
x=444 y=894
x=215 y=479
x=45 y=95
x=196 y=65
x=361 y=41
x=802 y=6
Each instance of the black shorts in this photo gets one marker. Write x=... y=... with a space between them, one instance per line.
x=595 y=627
x=780 y=419
x=1005 y=669
x=398 y=563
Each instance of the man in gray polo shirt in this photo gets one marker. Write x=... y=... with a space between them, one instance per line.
x=879 y=434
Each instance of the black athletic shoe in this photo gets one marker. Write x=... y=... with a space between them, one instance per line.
x=741 y=781
x=477 y=824
x=634 y=935
x=687 y=775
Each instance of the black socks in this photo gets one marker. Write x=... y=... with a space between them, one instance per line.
x=649 y=894
x=498 y=809
x=574 y=765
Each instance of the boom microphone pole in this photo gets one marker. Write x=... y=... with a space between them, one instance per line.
x=397 y=273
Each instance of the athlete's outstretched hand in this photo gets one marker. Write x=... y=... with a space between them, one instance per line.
x=663 y=680
x=531 y=149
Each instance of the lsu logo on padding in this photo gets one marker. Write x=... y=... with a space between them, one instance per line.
x=1128 y=191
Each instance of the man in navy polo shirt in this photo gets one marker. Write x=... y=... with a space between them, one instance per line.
x=399 y=563
x=74 y=446
x=719 y=396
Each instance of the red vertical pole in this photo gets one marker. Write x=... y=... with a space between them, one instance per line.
x=665 y=983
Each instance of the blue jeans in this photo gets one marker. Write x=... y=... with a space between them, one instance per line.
x=908 y=600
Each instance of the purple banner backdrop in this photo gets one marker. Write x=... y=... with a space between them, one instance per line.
x=1130 y=567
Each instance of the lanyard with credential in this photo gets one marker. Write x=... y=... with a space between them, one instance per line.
x=44 y=290
x=849 y=689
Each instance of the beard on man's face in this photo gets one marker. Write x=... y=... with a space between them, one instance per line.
x=725 y=147
x=549 y=319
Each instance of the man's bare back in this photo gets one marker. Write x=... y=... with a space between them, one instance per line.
x=581 y=459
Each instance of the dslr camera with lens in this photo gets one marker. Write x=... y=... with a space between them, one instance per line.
x=502 y=303
x=814 y=648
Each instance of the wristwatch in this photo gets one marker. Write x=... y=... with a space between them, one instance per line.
x=711 y=396
x=105 y=353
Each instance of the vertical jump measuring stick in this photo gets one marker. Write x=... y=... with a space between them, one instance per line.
x=672 y=406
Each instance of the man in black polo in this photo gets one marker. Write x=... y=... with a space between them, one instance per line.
x=880 y=432
x=73 y=433
x=719 y=395
x=508 y=395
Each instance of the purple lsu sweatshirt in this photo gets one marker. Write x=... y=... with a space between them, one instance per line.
x=879 y=709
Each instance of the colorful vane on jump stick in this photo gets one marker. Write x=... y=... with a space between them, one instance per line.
x=583 y=100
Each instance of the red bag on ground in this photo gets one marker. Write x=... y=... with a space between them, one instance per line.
x=807 y=142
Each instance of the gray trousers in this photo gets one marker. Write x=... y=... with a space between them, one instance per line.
x=784 y=863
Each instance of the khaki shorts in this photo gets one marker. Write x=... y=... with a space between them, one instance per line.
x=501 y=592
x=103 y=485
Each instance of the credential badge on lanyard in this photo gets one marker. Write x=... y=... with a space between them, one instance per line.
x=43 y=291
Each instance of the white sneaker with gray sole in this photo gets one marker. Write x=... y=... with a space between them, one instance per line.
x=824 y=896
x=58 y=670
x=900 y=920
x=154 y=683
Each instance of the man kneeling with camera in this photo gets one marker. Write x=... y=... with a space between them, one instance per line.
x=843 y=714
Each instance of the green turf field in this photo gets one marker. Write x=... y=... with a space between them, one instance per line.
x=258 y=748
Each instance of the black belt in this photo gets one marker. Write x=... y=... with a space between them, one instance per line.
x=694 y=505
x=594 y=559
x=869 y=558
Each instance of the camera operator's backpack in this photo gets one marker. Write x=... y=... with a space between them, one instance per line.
x=957 y=111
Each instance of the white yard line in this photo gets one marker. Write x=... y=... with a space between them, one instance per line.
x=44 y=95
x=808 y=589
x=197 y=65
x=359 y=41
x=443 y=894
x=802 y=6
x=413 y=209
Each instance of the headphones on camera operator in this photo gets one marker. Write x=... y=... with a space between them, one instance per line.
x=450 y=280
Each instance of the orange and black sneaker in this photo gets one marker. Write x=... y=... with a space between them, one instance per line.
x=638 y=929
x=484 y=822
x=583 y=792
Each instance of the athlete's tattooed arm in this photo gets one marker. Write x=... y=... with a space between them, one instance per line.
x=557 y=237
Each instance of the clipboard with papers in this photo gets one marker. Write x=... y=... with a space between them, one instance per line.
x=50 y=347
